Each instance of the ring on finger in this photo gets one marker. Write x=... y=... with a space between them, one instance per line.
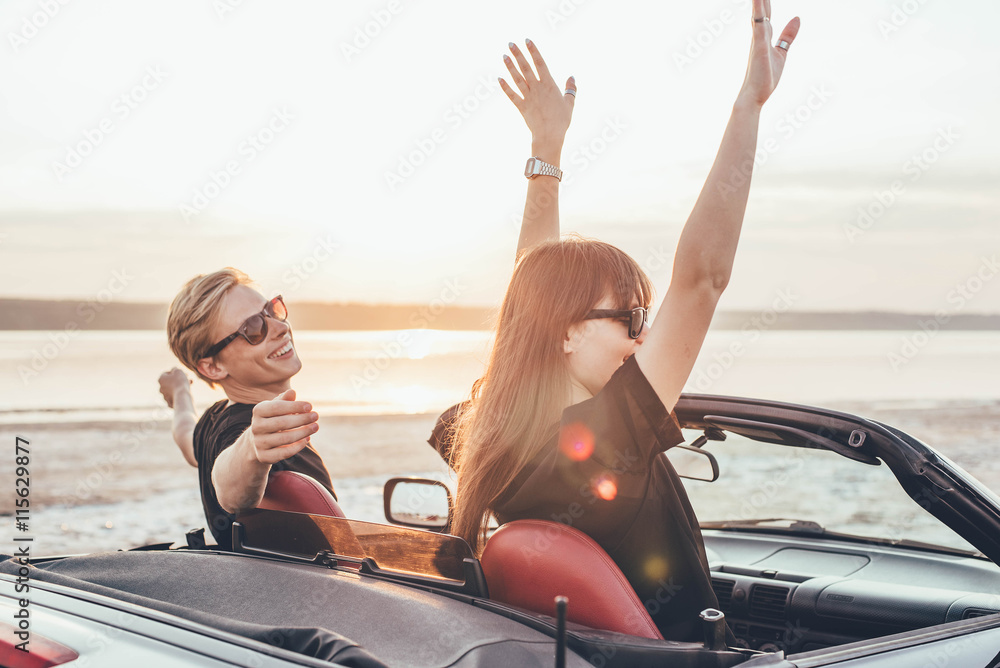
x=762 y=19
x=783 y=44
x=569 y=91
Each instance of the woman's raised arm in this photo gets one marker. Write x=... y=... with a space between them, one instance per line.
x=704 y=258
x=547 y=112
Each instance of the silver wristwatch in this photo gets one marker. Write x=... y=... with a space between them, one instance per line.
x=535 y=166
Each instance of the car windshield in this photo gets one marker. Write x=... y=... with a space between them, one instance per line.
x=762 y=481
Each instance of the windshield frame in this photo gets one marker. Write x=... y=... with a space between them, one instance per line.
x=933 y=482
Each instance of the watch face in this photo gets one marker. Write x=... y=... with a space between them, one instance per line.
x=529 y=168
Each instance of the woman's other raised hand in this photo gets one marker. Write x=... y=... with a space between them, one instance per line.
x=767 y=61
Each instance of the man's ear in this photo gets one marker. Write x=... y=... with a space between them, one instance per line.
x=211 y=369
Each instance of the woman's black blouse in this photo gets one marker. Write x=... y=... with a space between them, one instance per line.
x=603 y=473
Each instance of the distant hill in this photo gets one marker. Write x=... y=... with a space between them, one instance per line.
x=22 y=314
x=29 y=314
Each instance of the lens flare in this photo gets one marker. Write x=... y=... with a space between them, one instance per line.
x=576 y=442
x=656 y=568
x=605 y=487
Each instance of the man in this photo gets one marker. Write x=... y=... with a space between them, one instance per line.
x=228 y=334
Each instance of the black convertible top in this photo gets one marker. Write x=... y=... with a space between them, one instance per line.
x=327 y=614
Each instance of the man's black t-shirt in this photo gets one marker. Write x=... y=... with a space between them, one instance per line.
x=216 y=430
x=603 y=472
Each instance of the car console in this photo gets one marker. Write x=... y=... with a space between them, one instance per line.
x=802 y=595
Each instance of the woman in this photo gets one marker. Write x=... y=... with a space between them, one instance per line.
x=576 y=402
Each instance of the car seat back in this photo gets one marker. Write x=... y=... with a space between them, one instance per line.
x=527 y=563
x=296 y=492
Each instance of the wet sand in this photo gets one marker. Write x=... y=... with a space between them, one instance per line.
x=109 y=485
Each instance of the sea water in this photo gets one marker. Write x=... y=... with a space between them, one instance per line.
x=47 y=376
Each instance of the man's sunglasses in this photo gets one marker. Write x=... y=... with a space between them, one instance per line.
x=636 y=318
x=254 y=328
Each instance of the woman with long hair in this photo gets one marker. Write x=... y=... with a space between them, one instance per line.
x=575 y=406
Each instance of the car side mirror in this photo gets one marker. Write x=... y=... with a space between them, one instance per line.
x=417 y=502
x=693 y=463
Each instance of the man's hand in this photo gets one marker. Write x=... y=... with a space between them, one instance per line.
x=175 y=388
x=172 y=381
x=281 y=427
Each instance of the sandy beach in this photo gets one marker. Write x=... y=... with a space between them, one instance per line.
x=109 y=485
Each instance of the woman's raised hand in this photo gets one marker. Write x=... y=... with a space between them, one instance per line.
x=546 y=109
x=766 y=61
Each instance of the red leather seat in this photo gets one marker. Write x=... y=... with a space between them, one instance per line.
x=527 y=563
x=295 y=492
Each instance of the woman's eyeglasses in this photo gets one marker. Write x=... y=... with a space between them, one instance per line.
x=254 y=328
x=636 y=318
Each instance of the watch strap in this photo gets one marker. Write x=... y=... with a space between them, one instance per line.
x=538 y=167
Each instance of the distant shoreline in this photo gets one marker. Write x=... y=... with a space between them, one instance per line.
x=39 y=314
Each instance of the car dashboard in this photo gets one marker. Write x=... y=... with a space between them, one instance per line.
x=798 y=595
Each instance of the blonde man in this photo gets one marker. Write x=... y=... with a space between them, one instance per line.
x=228 y=334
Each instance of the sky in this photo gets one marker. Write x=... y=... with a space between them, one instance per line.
x=363 y=152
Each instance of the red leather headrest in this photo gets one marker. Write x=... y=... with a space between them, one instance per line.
x=528 y=563
x=295 y=492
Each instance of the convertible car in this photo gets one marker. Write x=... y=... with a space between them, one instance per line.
x=833 y=540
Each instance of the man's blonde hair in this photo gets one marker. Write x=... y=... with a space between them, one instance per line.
x=194 y=312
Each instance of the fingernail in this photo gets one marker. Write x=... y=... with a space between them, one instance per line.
x=512 y=45
x=499 y=81
x=506 y=58
x=528 y=42
x=314 y=416
x=314 y=427
x=309 y=407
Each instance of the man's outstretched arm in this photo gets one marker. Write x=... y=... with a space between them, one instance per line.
x=280 y=429
x=176 y=390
